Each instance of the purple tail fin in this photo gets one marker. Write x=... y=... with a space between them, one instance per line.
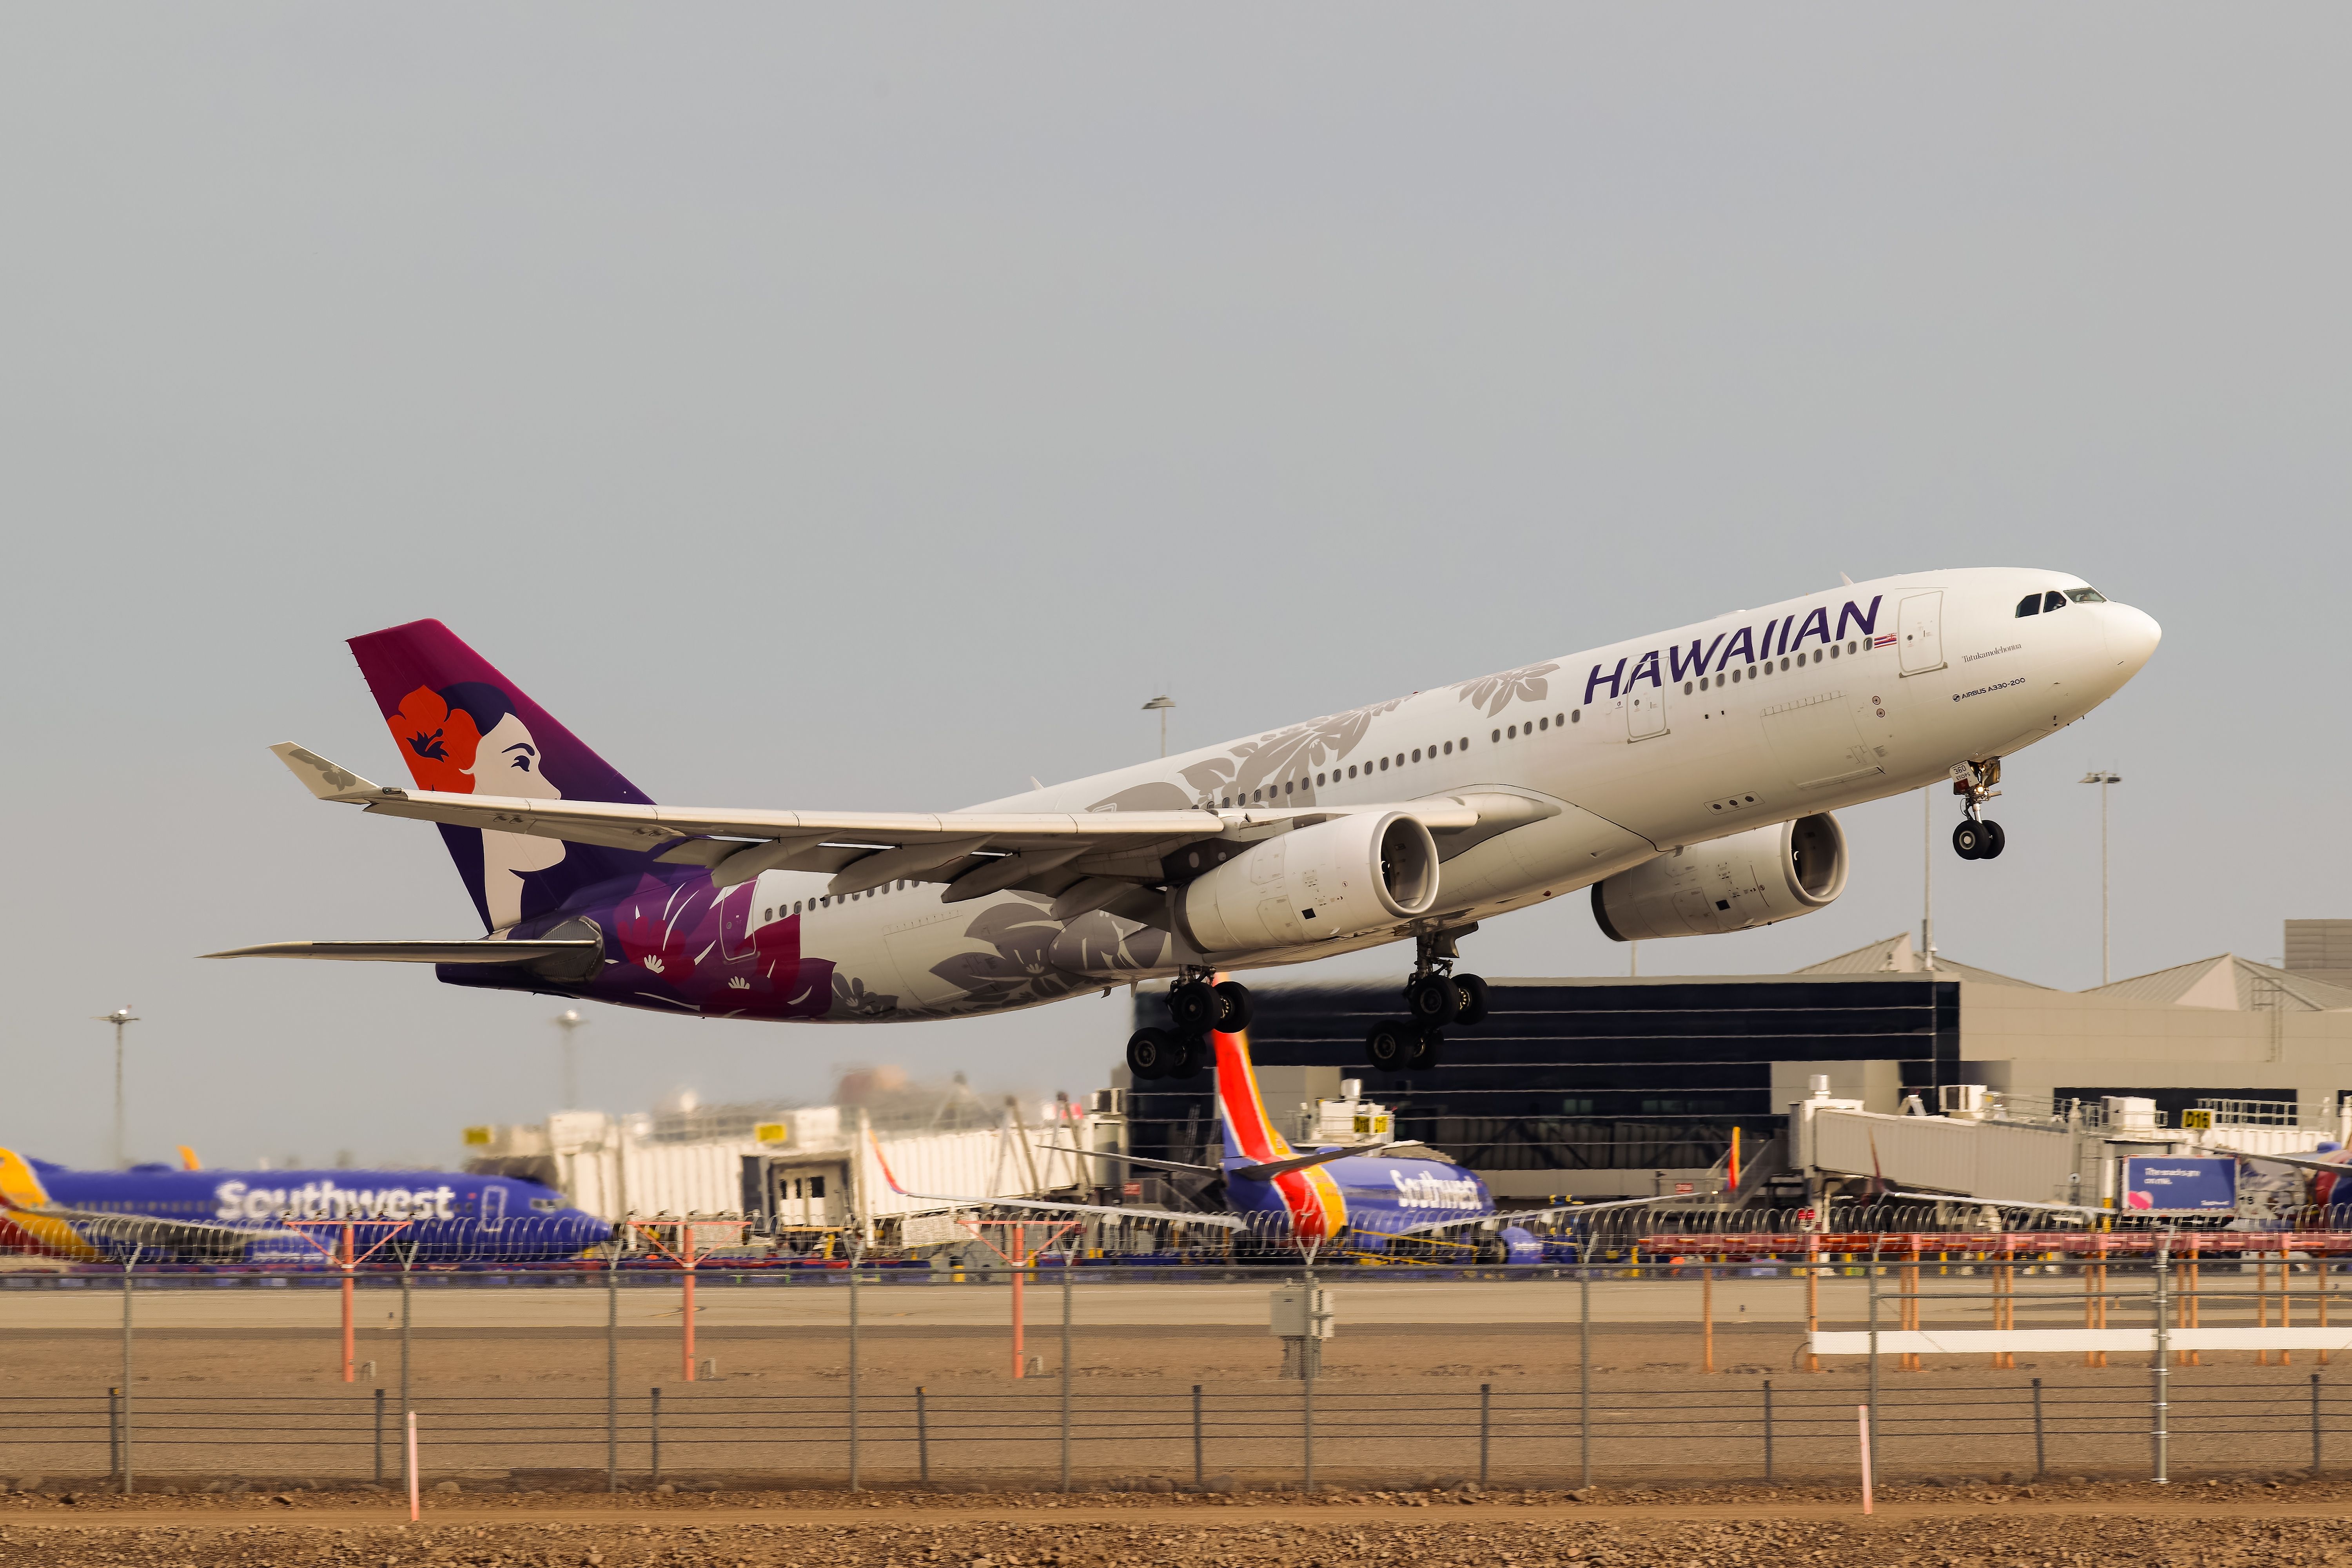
x=464 y=729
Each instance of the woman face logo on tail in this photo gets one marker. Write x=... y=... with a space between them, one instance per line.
x=468 y=739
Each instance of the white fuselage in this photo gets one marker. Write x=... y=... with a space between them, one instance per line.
x=1644 y=746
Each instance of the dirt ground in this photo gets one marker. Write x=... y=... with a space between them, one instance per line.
x=2244 y=1520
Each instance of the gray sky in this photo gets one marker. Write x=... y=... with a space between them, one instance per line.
x=871 y=406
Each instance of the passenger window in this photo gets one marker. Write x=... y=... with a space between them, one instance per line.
x=1834 y=650
x=1465 y=743
x=1577 y=717
x=1449 y=748
x=1543 y=723
x=1384 y=764
x=1416 y=754
x=1513 y=732
x=2054 y=600
x=1497 y=737
x=1784 y=664
x=2086 y=596
x=2029 y=606
x=1688 y=688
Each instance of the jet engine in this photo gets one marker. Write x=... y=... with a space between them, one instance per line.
x=1337 y=878
x=1750 y=879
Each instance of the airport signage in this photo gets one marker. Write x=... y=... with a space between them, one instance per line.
x=2159 y=1185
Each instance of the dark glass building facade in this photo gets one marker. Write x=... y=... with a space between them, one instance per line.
x=1585 y=1074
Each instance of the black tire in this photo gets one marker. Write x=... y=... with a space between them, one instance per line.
x=1433 y=1001
x=1150 y=1053
x=1969 y=840
x=1473 y=1010
x=1995 y=842
x=1193 y=1053
x=1190 y=1007
x=1427 y=1050
x=1389 y=1046
x=1235 y=1008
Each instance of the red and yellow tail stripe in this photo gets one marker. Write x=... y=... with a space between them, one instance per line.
x=1318 y=1209
x=21 y=1196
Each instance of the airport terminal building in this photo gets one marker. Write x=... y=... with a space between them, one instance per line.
x=1622 y=1088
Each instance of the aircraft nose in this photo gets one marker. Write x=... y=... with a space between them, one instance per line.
x=2132 y=637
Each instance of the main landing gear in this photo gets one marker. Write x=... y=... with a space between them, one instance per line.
x=1196 y=1009
x=1975 y=839
x=1435 y=997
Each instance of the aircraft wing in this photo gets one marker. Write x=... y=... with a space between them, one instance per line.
x=176 y=1237
x=1223 y=1222
x=1186 y=1166
x=977 y=852
x=1270 y=1169
x=1509 y=1216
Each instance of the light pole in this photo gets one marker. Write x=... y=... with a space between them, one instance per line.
x=1927 y=878
x=569 y=1021
x=2102 y=778
x=119 y=1017
x=1160 y=705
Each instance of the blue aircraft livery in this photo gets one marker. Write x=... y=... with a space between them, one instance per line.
x=168 y=1215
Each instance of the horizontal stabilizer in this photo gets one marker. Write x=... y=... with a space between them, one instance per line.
x=321 y=777
x=587 y=954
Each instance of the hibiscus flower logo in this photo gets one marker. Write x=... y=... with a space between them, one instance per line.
x=1496 y=692
x=439 y=742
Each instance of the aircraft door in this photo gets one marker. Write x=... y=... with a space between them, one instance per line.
x=1920 y=622
x=494 y=1206
x=808 y=1197
x=1645 y=713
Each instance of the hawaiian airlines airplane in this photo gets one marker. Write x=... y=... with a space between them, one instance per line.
x=159 y=1213
x=1687 y=778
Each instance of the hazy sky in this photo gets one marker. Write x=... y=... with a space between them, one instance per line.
x=870 y=406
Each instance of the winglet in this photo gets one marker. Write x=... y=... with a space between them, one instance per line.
x=321 y=777
x=188 y=1160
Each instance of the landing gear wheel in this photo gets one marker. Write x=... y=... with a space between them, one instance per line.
x=1433 y=1001
x=1192 y=1053
x=1150 y=1053
x=1389 y=1048
x=1234 y=1006
x=1473 y=1009
x=1969 y=840
x=1191 y=1006
x=1426 y=1051
x=1995 y=841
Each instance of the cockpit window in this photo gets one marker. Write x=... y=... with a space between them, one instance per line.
x=2030 y=605
x=2054 y=600
x=2086 y=596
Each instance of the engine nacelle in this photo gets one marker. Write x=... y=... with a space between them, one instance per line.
x=1750 y=879
x=1338 y=878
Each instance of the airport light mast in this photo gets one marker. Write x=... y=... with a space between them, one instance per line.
x=569 y=1021
x=119 y=1017
x=2103 y=778
x=1160 y=705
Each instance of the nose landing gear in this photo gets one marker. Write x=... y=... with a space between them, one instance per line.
x=1975 y=839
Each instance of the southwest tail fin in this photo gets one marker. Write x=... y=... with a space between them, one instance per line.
x=1250 y=1135
x=20 y=1184
x=463 y=728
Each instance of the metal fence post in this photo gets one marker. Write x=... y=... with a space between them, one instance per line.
x=407 y=1298
x=379 y=1437
x=2315 y=1426
x=857 y=1254
x=653 y=1407
x=128 y=1265
x=1767 y=1431
x=1584 y=1362
x=2163 y=1368
x=613 y=1367
x=2040 y=1455
x=1068 y=1257
x=114 y=1433
x=1197 y=1444
x=1877 y=1417
x=1485 y=1427
x=922 y=1436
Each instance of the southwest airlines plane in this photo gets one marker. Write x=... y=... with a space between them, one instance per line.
x=158 y=1213
x=1687 y=778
